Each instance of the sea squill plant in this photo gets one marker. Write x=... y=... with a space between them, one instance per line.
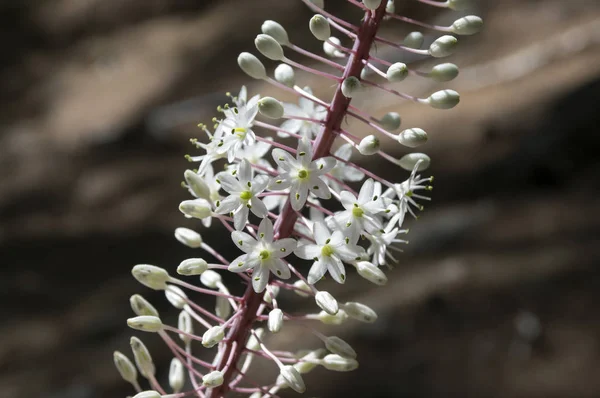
x=296 y=207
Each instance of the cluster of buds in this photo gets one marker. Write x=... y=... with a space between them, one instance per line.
x=284 y=203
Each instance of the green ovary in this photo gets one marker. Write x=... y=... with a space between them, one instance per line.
x=357 y=212
x=264 y=254
x=327 y=251
x=246 y=195
x=303 y=174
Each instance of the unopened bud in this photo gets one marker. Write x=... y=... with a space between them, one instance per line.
x=360 y=312
x=270 y=107
x=213 y=379
x=412 y=138
x=151 y=276
x=339 y=363
x=372 y=4
x=176 y=375
x=444 y=72
x=252 y=66
x=145 y=323
x=319 y=26
x=330 y=50
x=390 y=7
x=285 y=74
x=339 y=347
x=329 y=319
x=458 y=5
x=125 y=367
x=269 y=47
x=275 y=320
x=222 y=307
x=444 y=99
x=176 y=296
x=371 y=273
x=326 y=302
x=293 y=378
x=307 y=362
x=369 y=145
x=196 y=208
x=443 y=46
x=271 y=293
x=213 y=336
x=351 y=86
x=192 y=266
x=196 y=184
x=147 y=394
x=276 y=31
x=141 y=306
x=390 y=121
x=254 y=339
x=408 y=161
x=142 y=357
x=413 y=40
x=186 y=325
x=211 y=279
x=188 y=237
x=397 y=72
x=468 y=25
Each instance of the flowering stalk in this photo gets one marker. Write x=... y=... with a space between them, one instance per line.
x=276 y=213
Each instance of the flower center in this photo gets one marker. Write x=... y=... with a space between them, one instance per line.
x=327 y=251
x=264 y=254
x=240 y=132
x=357 y=212
x=246 y=195
x=303 y=174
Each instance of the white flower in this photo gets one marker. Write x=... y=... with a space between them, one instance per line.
x=302 y=174
x=307 y=109
x=406 y=194
x=255 y=154
x=328 y=252
x=360 y=213
x=343 y=172
x=243 y=190
x=262 y=255
x=380 y=240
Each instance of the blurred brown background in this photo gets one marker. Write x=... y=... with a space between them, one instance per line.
x=496 y=295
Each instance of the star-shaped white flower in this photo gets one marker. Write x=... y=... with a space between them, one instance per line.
x=405 y=192
x=262 y=255
x=343 y=172
x=302 y=174
x=243 y=190
x=381 y=242
x=307 y=109
x=328 y=253
x=235 y=130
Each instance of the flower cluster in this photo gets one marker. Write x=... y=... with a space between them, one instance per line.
x=295 y=205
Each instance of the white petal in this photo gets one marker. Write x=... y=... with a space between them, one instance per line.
x=259 y=184
x=319 y=188
x=316 y=272
x=336 y=269
x=291 y=125
x=279 y=267
x=352 y=174
x=348 y=200
x=280 y=182
x=283 y=247
x=258 y=207
x=240 y=218
x=229 y=183
x=244 y=172
x=308 y=252
x=366 y=192
x=305 y=147
x=260 y=278
x=344 y=152
x=243 y=241
x=349 y=252
x=242 y=263
x=265 y=230
x=324 y=165
x=298 y=195
x=283 y=159
x=321 y=233
x=229 y=204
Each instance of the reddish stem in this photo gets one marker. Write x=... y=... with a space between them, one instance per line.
x=285 y=223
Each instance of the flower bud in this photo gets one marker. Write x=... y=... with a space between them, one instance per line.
x=285 y=74
x=143 y=360
x=211 y=279
x=329 y=319
x=222 y=307
x=253 y=342
x=351 y=86
x=412 y=138
x=252 y=66
x=339 y=363
x=276 y=31
x=365 y=73
x=270 y=107
x=306 y=363
x=458 y=5
x=213 y=379
x=326 y=302
x=444 y=72
x=300 y=287
x=372 y=4
x=408 y=161
x=255 y=395
x=153 y=277
x=397 y=72
x=413 y=40
x=330 y=50
x=213 y=336
x=369 y=145
x=185 y=324
x=196 y=184
x=339 y=347
x=269 y=47
x=145 y=323
x=188 y=237
x=141 y=306
x=147 y=394
x=197 y=208
x=371 y=273
x=444 y=99
x=275 y=320
x=468 y=25
x=390 y=121
x=176 y=296
x=271 y=293
x=176 y=375
x=293 y=378
x=443 y=46
x=192 y=266
x=319 y=26
x=125 y=367
x=360 y=312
